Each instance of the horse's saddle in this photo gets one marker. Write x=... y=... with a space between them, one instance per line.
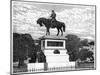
x=53 y=23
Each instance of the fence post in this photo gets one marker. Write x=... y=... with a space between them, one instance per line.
x=45 y=66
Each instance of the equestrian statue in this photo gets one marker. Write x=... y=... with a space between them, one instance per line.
x=52 y=23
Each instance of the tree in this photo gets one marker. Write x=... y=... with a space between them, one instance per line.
x=90 y=55
x=85 y=53
x=91 y=43
x=84 y=42
x=72 y=46
x=38 y=54
x=23 y=46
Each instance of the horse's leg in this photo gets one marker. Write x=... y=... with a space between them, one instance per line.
x=46 y=32
x=61 y=32
x=58 y=31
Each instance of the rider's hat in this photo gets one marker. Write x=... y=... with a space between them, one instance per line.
x=52 y=10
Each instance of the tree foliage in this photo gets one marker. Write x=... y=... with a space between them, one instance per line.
x=72 y=46
x=84 y=42
x=23 y=46
x=91 y=43
x=85 y=53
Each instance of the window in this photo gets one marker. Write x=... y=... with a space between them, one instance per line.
x=54 y=43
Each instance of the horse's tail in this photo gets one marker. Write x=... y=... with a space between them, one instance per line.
x=63 y=27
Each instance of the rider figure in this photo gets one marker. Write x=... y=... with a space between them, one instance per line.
x=53 y=18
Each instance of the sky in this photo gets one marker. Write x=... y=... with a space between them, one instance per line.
x=79 y=20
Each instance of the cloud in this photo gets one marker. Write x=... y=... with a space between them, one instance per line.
x=78 y=20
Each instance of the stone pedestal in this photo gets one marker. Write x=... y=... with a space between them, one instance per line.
x=58 y=60
x=54 y=49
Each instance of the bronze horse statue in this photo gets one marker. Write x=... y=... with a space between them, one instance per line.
x=47 y=22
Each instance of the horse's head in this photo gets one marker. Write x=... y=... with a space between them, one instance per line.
x=40 y=21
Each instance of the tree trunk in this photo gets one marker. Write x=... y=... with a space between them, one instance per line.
x=21 y=62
